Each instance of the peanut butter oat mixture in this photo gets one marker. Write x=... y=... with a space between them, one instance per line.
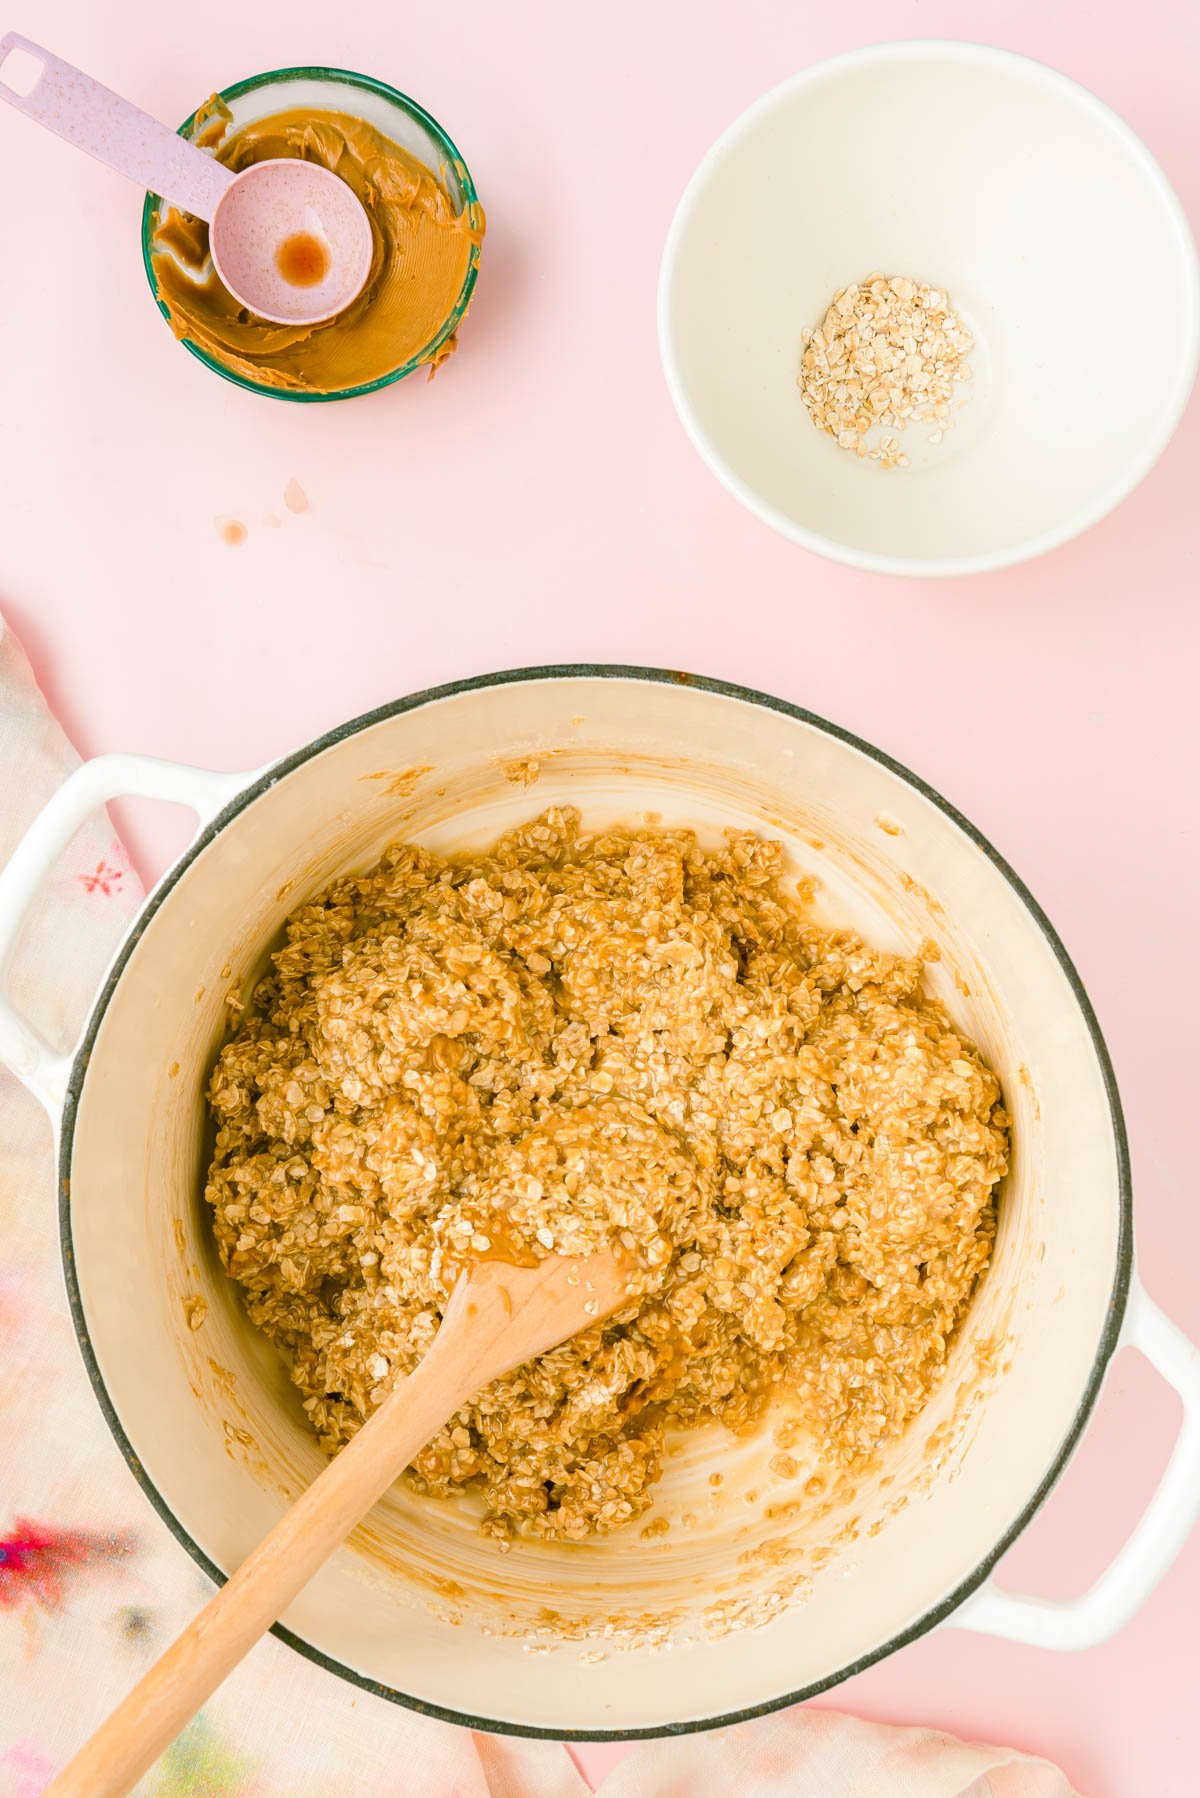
x=573 y=1037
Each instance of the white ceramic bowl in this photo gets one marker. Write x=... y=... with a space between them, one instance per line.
x=418 y=1606
x=1057 y=238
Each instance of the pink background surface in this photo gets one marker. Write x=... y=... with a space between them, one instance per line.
x=540 y=502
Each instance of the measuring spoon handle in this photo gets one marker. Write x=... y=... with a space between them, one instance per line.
x=93 y=118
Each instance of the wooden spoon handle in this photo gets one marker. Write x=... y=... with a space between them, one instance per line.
x=254 y=1597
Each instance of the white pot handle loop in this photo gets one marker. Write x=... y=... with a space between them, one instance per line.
x=1158 y=1536
x=22 y=1048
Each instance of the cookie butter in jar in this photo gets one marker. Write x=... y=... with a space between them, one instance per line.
x=426 y=225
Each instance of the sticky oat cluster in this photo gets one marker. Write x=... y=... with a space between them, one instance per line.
x=571 y=1039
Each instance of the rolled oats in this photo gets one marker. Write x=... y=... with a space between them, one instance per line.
x=887 y=352
x=572 y=1038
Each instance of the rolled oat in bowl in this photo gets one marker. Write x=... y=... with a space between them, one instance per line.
x=890 y=352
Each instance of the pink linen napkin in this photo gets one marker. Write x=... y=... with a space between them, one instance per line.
x=93 y=1586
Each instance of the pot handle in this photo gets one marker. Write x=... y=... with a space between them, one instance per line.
x=1157 y=1537
x=23 y=1048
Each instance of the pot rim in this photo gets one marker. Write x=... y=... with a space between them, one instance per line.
x=938 y=1613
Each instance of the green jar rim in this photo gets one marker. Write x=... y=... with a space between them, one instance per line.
x=348 y=77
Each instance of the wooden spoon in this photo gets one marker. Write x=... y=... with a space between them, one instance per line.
x=498 y=1317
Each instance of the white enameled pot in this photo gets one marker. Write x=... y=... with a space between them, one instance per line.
x=418 y=1606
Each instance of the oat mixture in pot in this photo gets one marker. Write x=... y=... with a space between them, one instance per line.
x=572 y=1036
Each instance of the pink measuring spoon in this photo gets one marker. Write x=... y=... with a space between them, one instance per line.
x=289 y=239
